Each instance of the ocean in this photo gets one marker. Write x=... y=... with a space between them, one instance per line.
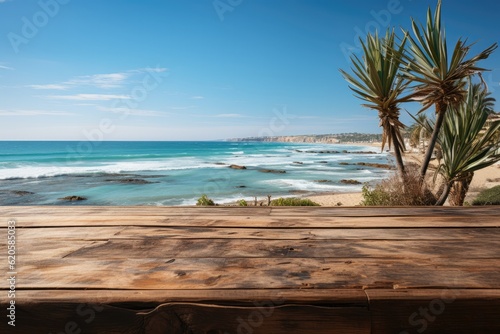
x=177 y=173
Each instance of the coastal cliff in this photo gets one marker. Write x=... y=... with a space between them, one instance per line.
x=323 y=139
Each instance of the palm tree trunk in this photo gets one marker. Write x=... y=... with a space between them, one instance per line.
x=459 y=190
x=441 y=111
x=444 y=195
x=421 y=140
x=397 y=153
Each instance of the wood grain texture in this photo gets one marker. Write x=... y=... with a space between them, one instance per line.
x=187 y=318
x=255 y=270
x=446 y=310
x=252 y=211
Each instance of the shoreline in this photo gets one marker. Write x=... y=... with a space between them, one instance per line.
x=327 y=199
x=483 y=179
x=163 y=176
x=347 y=197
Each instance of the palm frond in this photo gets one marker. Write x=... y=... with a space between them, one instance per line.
x=466 y=145
x=376 y=80
x=439 y=78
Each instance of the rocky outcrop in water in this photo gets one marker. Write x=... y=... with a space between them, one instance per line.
x=336 y=152
x=350 y=181
x=73 y=198
x=375 y=165
x=21 y=192
x=237 y=167
x=130 y=181
x=367 y=164
x=273 y=171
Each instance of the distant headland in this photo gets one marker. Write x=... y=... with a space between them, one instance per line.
x=339 y=138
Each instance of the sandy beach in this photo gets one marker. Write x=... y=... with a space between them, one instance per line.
x=483 y=179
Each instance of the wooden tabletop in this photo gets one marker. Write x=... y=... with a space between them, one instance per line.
x=221 y=270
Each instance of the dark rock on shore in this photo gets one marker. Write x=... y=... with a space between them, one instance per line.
x=237 y=167
x=376 y=165
x=323 y=152
x=73 y=198
x=337 y=152
x=343 y=163
x=274 y=171
x=220 y=163
x=363 y=152
x=323 y=162
x=323 y=181
x=298 y=162
x=350 y=181
x=242 y=186
x=21 y=192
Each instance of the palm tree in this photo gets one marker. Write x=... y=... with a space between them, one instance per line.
x=440 y=79
x=418 y=132
x=466 y=145
x=376 y=80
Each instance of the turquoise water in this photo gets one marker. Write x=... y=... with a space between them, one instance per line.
x=175 y=173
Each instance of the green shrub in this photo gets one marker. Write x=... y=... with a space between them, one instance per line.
x=242 y=202
x=204 y=200
x=488 y=197
x=293 y=201
x=377 y=196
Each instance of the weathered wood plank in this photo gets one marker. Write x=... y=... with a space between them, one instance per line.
x=386 y=211
x=185 y=318
x=208 y=270
x=446 y=310
x=140 y=232
x=251 y=211
x=152 y=247
x=252 y=273
x=77 y=220
x=235 y=297
x=64 y=210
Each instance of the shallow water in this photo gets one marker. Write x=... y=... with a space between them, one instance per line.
x=175 y=173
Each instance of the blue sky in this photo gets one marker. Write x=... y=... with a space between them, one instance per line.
x=200 y=69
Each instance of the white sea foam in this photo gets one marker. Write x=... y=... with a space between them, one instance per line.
x=298 y=184
x=118 y=167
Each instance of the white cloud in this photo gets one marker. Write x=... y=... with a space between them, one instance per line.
x=230 y=116
x=307 y=117
x=49 y=86
x=89 y=97
x=110 y=80
x=34 y=113
x=135 y=112
x=4 y=67
x=197 y=97
x=182 y=108
x=105 y=81
x=151 y=69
